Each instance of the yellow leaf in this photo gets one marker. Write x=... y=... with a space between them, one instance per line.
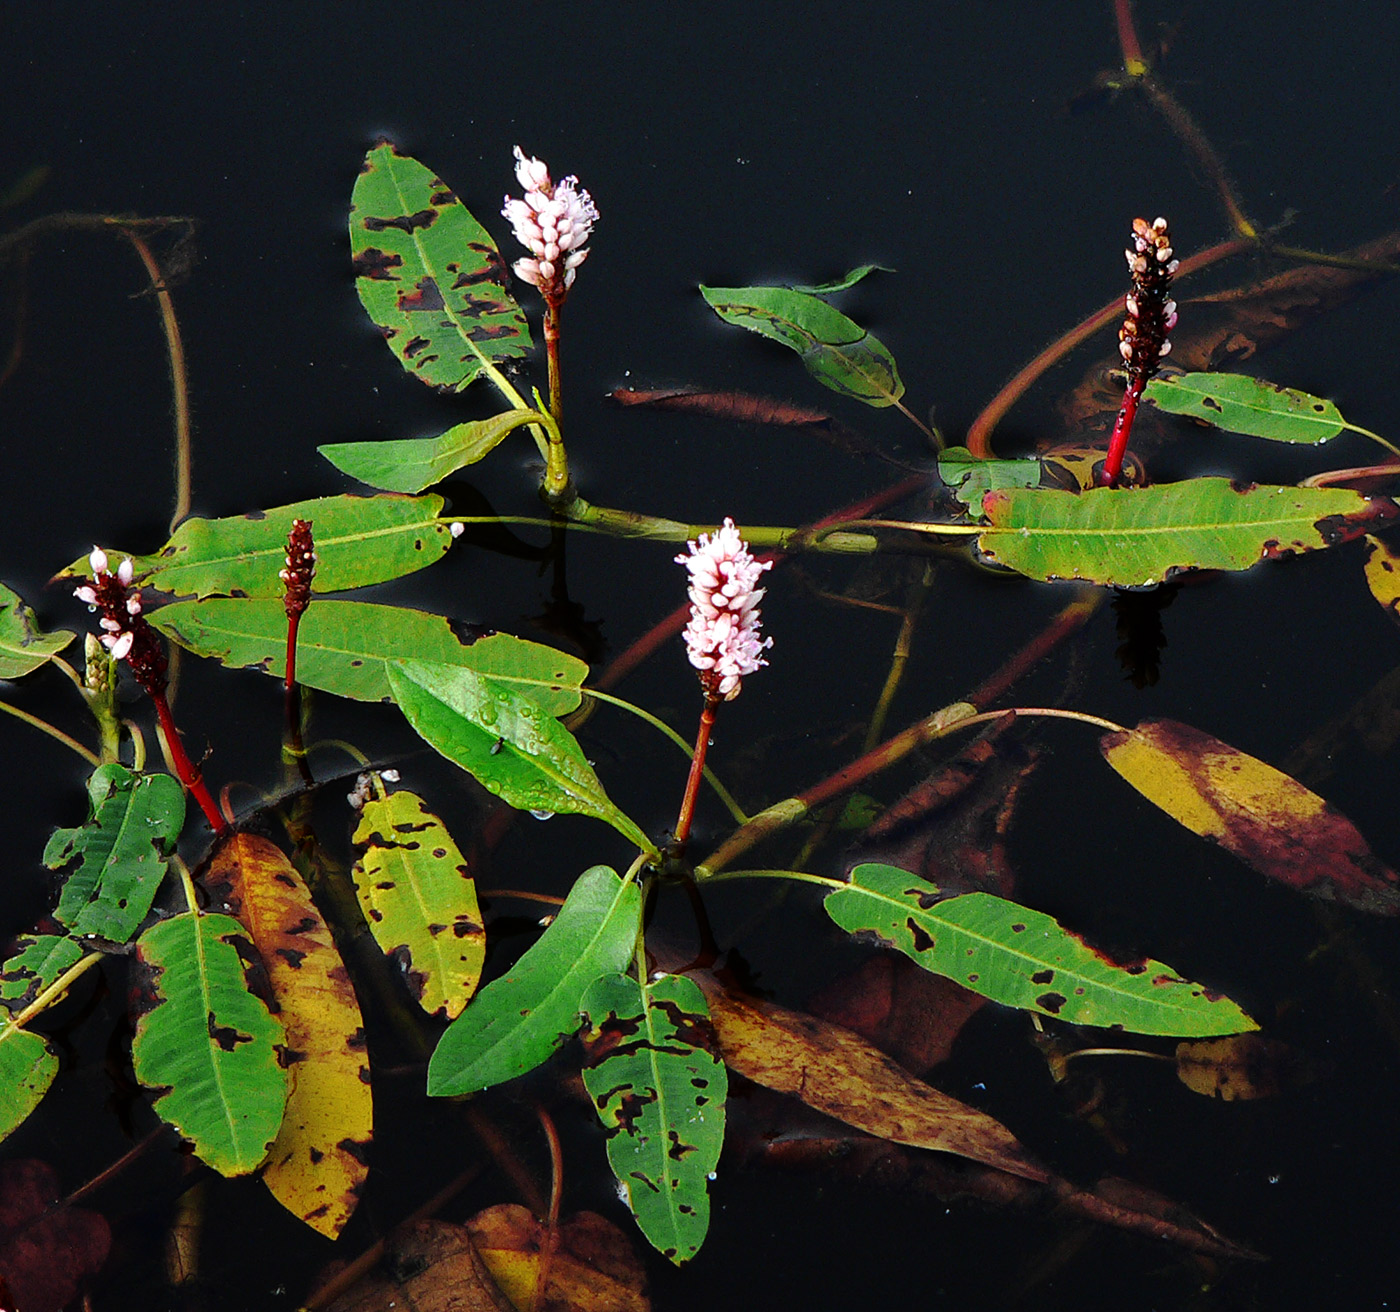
x=316 y=1166
x=1383 y=575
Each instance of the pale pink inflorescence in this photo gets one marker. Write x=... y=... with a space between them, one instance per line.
x=553 y=223
x=722 y=637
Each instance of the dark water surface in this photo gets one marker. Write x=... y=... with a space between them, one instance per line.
x=729 y=144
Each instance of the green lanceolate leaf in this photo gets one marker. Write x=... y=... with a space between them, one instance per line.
x=837 y=351
x=1025 y=959
x=121 y=851
x=516 y=1021
x=970 y=478
x=23 y=646
x=660 y=1090
x=419 y=899
x=27 y=1068
x=411 y=464
x=359 y=541
x=39 y=959
x=845 y=283
x=506 y=740
x=429 y=274
x=1135 y=537
x=209 y=1043
x=1240 y=404
x=343 y=646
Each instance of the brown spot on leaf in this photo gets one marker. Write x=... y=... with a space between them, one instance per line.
x=426 y=295
x=1043 y=977
x=1051 y=1002
x=374 y=263
x=405 y=223
x=226 y=1036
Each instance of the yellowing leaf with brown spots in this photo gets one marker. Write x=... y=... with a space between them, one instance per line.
x=316 y=1166
x=1383 y=575
x=420 y=901
x=840 y=1074
x=1267 y=819
x=592 y=1267
x=1244 y=1066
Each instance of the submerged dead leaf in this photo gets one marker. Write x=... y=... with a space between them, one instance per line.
x=1242 y=1066
x=840 y=1074
x=1267 y=819
x=317 y=1164
x=428 y=1266
x=46 y=1249
x=592 y=1267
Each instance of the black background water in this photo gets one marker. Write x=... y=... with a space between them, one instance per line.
x=729 y=144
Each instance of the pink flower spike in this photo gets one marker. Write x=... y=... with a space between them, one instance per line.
x=98 y=560
x=553 y=218
x=126 y=571
x=722 y=638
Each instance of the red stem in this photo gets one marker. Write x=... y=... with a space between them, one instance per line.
x=1122 y=428
x=1128 y=38
x=184 y=767
x=293 y=620
x=697 y=771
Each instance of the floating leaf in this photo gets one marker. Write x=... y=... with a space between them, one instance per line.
x=1383 y=575
x=23 y=645
x=841 y=1075
x=419 y=899
x=970 y=478
x=428 y=1266
x=506 y=740
x=1267 y=819
x=516 y=1021
x=1135 y=537
x=592 y=1267
x=843 y=284
x=429 y=274
x=660 y=1089
x=1025 y=959
x=47 y=1249
x=208 y=1042
x=121 y=851
x=38 y=960
x=1242 y=1067
x=838 y=352
x=342 y=647
x=317 y=1164
x=1240 y=404
x=27 y=1068
x=359 y=541
x=411 y=464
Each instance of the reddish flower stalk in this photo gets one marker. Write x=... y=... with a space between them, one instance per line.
x=129 y=637
x=1142 y=340
x=722 y=638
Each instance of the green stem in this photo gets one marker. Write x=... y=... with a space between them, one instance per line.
x=799 y=875
x=724 y=795
x=45 y=727
x=1375 y=437
x=55 y=991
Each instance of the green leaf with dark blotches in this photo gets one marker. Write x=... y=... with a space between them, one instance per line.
x=842 y=284
x=359 y=541
x=506 y=740
x=343 y=647
x=1025 y=959
x=419 y=900
x=837 y=351
x=411 y=464
x=429 y=274
x=38 y=960
x=1240 y=404
x=208 y=1043
x=121 y=851
x=27 y=1068
x=23 y=645
x=969 y=478
x=516 y=1021
x=659 y=1088
x=1138 y=536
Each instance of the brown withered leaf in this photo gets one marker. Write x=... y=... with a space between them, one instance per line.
x=592 y=1267
x=841 y=1075
x=1219 y=330
x=317 y=1164
x=1242 y=1066
x=1267 y=819
x=428 y=1266
x=46 y=1249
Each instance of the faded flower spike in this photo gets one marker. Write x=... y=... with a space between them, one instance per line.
x=553 y=222
x=722 y=637
x=301 y=567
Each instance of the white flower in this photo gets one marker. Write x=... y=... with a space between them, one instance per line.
x=722 y=636
x=553 y=222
